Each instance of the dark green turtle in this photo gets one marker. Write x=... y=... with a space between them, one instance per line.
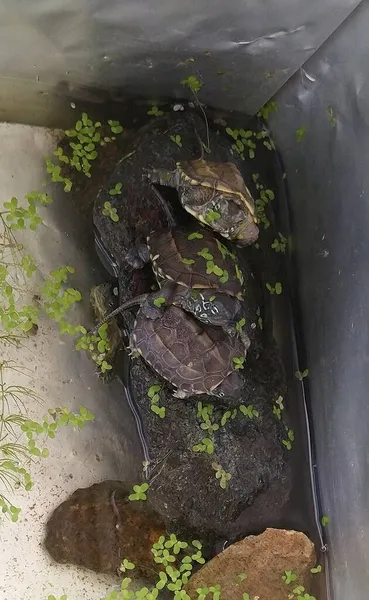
x=194 y=358
x=196 y=272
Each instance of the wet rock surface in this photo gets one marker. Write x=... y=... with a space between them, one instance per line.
x=264 y=559
x=186 y=492
x=184 y=489
x=97 y=527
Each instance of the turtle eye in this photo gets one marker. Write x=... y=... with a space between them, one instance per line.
x=221 y=394
x=231 y=230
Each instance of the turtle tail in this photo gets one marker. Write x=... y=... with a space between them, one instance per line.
x=125 y=306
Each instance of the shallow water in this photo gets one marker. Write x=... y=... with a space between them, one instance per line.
x=110 y=448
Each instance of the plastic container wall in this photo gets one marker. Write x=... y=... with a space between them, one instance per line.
x=98 y=51
x=328 y=183
x=55 y=52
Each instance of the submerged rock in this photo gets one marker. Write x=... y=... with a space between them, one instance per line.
x=185 y=489
x=97 y=527
x=263 y=559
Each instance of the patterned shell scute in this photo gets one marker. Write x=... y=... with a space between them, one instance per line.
x=224 y=177
x=193 y=357
x=195 y=258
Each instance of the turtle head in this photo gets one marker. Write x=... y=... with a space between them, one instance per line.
x=244 y=233
x=230 y=387
x=217 y=196
x=213 y=307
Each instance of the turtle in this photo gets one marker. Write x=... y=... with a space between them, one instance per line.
x=196 y=272
x=152 y=156
x=195 y=358
x=215 y=194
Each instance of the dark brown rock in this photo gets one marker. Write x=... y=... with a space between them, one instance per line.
x=98 y=526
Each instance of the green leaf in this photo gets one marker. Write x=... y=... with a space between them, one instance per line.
x=325 y=521
x=176 y=139
x=204 y=253
x=300 y=133
x=239 y=362
x=224 y=277
x=193 y=83
x=154 y=111
x=301 y=375
x=117 y=189
x=317 y=569
x=209 y=267
x=232 y=132
x=225 y=417
x=127 y=565
x=289 y=577
x=212 y=215
x=158 y=302
x=217 y=271
x=240 y=324
x=278 y=288
x=115 y=126
x=153 y=389
x=287 y=444
x=158 y=410
x=188 y=261
x=239 y=274
x=195 y=236
x=268 y=108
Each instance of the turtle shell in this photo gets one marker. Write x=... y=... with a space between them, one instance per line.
x=193 y=257
x=224 y=177
x=194 y=358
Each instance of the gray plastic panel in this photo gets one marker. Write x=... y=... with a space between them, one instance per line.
x=329 y=182
x=50 y=47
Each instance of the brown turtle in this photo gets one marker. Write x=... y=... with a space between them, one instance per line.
x=215 y=194
x=194 y=358
x=196 y=272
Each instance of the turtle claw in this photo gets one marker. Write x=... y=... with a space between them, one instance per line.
x=133 y=352
x=137 y=256
x=245 y=340
x=181 y=394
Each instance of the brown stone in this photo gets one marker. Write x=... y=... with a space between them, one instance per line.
x=264 y=558
x=98 y=526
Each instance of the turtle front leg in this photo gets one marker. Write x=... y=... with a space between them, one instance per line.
x=181 y=394
x=245 y=340
x=231 y=329
x=163 y=177
x=137 y=256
